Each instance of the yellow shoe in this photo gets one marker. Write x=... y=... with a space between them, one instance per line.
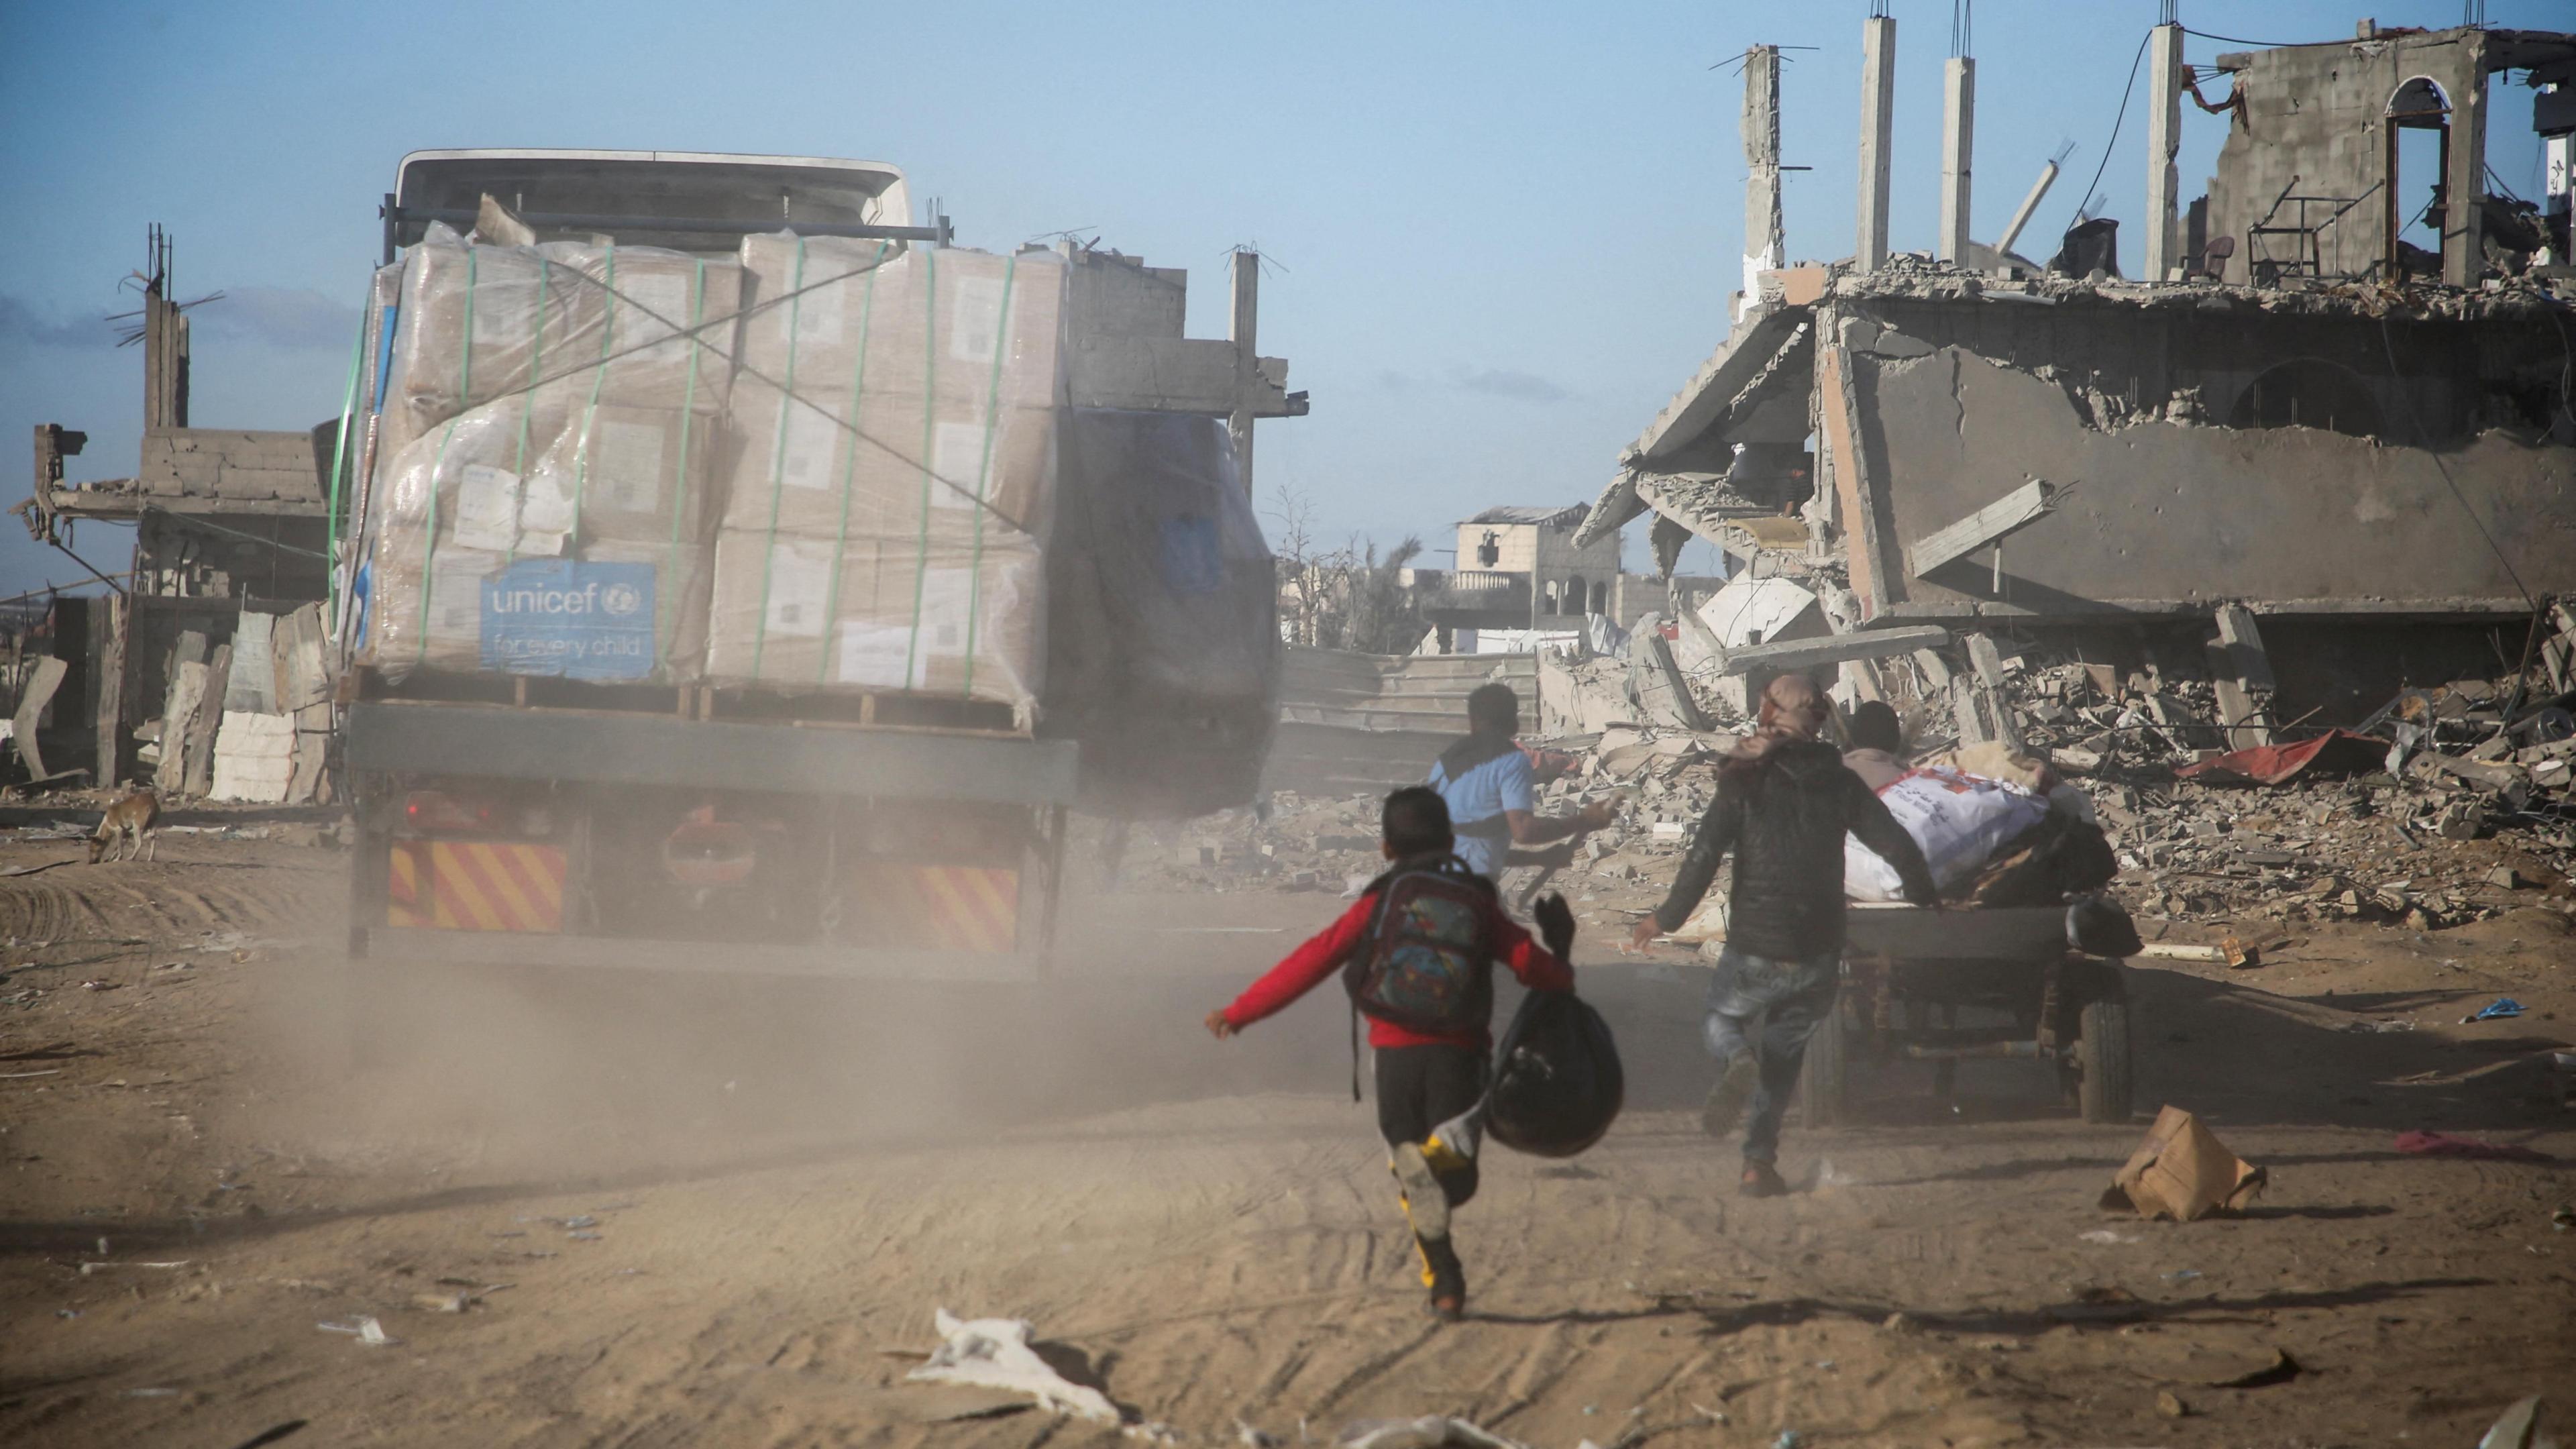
x=1424 y=1202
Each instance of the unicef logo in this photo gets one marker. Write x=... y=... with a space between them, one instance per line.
x=621 y=599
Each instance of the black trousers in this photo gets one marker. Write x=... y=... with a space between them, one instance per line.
x=1420 y=1087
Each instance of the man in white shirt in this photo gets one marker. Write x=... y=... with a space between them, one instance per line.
x=1485 y=780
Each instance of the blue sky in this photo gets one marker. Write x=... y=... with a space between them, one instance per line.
x=1504 y=234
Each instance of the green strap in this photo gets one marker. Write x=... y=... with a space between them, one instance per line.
x=778 y=458
x=590 y=413
x=663 y=603
x=929 y=439
x=984 y=472
x=528 y=403
x=438 y=465
x=849 y=467
x=339 y=456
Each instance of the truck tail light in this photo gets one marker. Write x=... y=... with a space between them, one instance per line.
x=434 y=812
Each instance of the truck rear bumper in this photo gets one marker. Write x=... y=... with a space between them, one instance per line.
x=612 y=748
x=389 y=947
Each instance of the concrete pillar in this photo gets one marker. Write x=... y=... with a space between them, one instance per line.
x=2164 y=137
x=2465 y=180
x=1242 y=331
x=1761 y=128
x=1958 y=143
x=2029 y=204
x=1877 y=95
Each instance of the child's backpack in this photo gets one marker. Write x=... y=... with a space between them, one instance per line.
x=1427 y=966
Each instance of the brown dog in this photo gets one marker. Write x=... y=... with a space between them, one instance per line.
x=128 y=822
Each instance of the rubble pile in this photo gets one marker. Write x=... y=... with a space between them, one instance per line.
x=2450 y=805
x=2457 y=819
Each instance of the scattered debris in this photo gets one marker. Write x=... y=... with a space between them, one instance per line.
x=2518 y=1427
x=2444 y=1144
x=366 y=1329
x=1430 y=1432
x=995 y=1353
x=2502 y=1006
x=2280 y=1370
x=2182 y=1172
x=88 y=1268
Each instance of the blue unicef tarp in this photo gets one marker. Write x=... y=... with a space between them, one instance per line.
x=578 y=620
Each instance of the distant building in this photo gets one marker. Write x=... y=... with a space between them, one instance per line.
x=1518 y=568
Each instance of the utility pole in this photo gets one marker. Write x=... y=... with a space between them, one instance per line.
x=1243 y=333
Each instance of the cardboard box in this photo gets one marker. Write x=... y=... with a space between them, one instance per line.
x=542 y=473
x=620 y=613
x=641 y=475
x=808 y=468
x=877 y=613
x=670 y=321
x=949 y=322
x=479 y=323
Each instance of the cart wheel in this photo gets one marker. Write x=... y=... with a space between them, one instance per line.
x=1824 y=1078
x=2103 y=1054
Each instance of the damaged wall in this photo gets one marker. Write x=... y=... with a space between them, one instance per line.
x=1956 y=403
x=2314 y=119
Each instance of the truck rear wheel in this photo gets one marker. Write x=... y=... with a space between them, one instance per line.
x=2102 y=1054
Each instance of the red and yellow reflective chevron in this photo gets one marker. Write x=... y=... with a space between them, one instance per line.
x=935 y=907
x=475 y=885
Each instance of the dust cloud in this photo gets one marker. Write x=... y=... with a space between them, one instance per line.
x=489 y=1073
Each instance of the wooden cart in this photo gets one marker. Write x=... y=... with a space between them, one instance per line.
x=1907 y=973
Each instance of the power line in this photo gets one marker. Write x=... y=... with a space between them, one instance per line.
x=2435 y=453
x=2260 y=44
x=2116 y=121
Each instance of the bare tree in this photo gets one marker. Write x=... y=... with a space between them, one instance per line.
x=1343 y=598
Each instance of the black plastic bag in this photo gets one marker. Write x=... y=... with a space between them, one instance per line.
x=1557 y=1082
x=2099 y=927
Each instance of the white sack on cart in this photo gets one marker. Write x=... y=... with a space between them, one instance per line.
x=1958 y=819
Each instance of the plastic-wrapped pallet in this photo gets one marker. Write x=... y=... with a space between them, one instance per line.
x=600 y=509
x=890 y=465
x=561 y=523
x=1163 y=646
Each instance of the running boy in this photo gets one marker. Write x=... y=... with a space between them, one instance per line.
x=1417 y=952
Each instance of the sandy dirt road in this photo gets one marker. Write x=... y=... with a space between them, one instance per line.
x=784 y=1179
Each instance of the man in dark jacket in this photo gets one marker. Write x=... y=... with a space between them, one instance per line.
x=1784 y=801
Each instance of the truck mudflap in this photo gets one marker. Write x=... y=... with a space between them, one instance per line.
x=475 y=885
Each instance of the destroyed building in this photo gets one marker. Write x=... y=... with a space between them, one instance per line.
x=2373 y=457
